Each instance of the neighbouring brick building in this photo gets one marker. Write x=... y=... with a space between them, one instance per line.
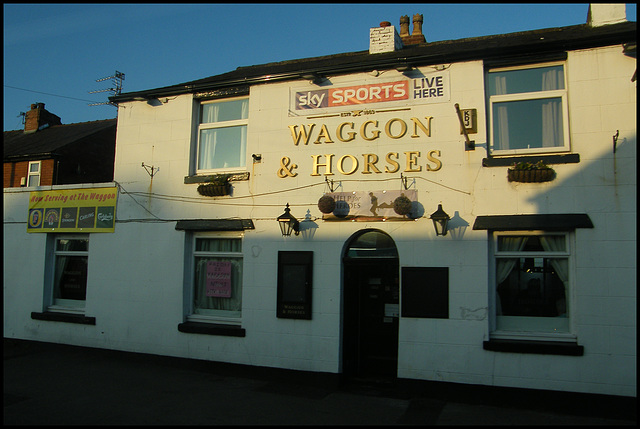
x=47 y=152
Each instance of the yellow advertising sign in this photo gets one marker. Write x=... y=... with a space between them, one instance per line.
x=73 y=210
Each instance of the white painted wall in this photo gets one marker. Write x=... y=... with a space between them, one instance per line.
x=135 y=286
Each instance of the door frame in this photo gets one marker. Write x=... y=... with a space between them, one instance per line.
x=353 y=272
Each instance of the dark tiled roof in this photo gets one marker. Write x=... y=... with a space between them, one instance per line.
x=46 y=142
x=475 y=48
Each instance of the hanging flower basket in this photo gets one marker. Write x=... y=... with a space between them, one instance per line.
x=326 y=204
x=214 y=189
x=527 y=172
x=402 y=205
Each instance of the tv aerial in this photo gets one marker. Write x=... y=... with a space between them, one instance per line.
x=116 y=81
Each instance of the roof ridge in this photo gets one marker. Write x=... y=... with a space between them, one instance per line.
x=552 y=38
x=64 y=125
x=85 y=122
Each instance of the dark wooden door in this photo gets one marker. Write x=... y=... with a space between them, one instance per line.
x=370 y=335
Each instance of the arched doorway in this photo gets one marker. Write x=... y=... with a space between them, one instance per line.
x=370 y=305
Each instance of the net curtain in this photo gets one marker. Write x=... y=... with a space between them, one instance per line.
x=504 y=266
x=213 y=140
x=202 y=301
x=552 y=133
x=64 y=262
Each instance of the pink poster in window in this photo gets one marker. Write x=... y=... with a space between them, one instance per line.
x=219 y=279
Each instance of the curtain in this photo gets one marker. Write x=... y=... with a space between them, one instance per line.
x=560 y=265
x=552 y=135
x=60 y=265
x=501 y=120
x=202 y=301
x=70 y=269
x=504 y=266
x=213 y=141
x=243 y=135
x=552 y=243
x=210 y=113
x=208 y=138
x=208 y=142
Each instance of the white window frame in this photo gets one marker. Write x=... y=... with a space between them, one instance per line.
x=522 y=332
x=31 y=174
x=65 y=305
x=537 y=95
x=214 y=316
x=215 y=125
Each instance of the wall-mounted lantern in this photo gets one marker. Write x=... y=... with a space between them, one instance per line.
x=288 y=223
x=440 y=220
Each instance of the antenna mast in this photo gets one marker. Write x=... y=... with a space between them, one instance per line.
x=116 y=81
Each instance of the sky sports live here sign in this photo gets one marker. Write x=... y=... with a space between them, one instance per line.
x=73 y=210
x=429 y=89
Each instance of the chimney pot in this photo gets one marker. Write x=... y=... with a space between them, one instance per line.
x=385 y=24
x=404 y=26
x=417 y=25
x=416 y=37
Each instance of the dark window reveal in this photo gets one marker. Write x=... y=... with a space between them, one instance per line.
x=295 y=270
x=425 y=292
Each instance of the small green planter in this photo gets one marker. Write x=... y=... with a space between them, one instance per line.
x=216 y=188
x=526 y=172
x=531 y=176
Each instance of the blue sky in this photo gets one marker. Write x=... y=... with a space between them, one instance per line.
x=54 y=53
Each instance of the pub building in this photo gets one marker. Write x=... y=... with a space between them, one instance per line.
x=459 y=211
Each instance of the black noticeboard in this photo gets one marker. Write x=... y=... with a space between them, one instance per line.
x=295 y=274
x=425 y=292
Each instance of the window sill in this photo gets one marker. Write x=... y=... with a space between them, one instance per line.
x=211 y=329
x=64 y=317
x=508 y=161
x=536 y=347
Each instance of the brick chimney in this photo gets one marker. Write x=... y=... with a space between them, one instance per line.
x=384 y=39
x=416 y=36
x=38 y=118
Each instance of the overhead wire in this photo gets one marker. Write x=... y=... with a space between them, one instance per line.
x=157 y=219
x=200 y=200
x=47 y=93
x=186 y=199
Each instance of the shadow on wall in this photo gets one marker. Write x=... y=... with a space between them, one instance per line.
x=615 y=169
x=457 y=226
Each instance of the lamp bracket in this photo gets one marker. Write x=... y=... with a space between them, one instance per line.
x=405 y=180
x=331 y=185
